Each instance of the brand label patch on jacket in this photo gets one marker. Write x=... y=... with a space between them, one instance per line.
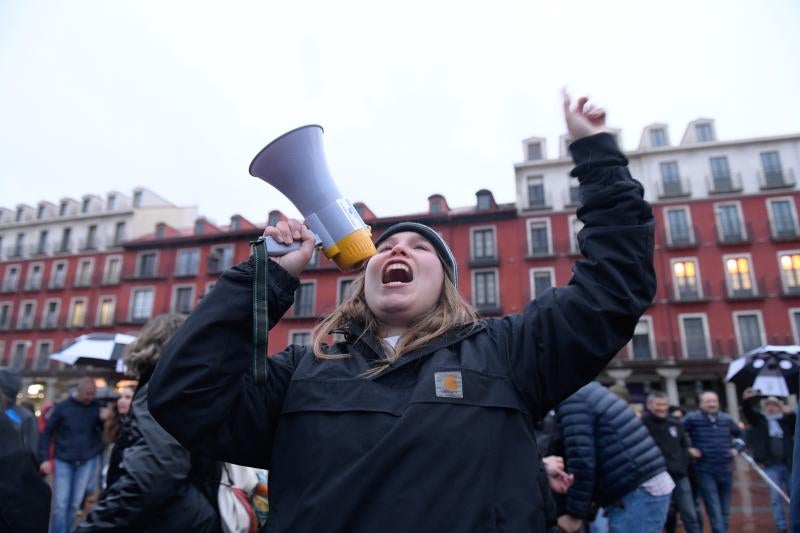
x=673 y=431
x=448 y=385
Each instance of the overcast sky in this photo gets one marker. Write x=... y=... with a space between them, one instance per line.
x=416 y=97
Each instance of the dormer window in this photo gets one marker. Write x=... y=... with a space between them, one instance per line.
x=62 y=210
x=40 y=212
x=484 y=201
x=112 y=202
x=658 y=137
x=436 y=207
x=198 y=227
x=161 y=229
x=19 y=214
x=86 y=203
x=137 y=199
x=534 y=151
x=703 y=132
x=236 y=223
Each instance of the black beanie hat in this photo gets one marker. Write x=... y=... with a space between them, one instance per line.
x=431 y=236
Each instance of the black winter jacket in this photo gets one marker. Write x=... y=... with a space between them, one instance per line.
x=607 y=448
x=158 y=489
x=673 y=442
x=396 y=453
x=758 y=434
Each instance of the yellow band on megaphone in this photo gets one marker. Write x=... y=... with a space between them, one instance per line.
x=352 y=250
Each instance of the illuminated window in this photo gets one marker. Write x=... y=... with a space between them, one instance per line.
x=790 y=271
x=684 y=273
x=739 y=274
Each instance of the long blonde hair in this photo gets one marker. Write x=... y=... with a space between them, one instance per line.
x=450 y=311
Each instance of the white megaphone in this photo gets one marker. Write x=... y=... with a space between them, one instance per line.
x=294 y=163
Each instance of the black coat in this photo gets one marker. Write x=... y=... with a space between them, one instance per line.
x=125 y=437
x=606 y=447
x=396 y=453
x=673 y=442
x=758 y=434
x=158 y=489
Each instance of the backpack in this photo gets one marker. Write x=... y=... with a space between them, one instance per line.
x=236 y=488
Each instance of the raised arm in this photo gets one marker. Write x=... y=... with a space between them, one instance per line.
x=565 y=337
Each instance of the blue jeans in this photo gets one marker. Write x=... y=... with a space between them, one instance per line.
x=641 y=512
x=69 y=486
x=683 y=499
x=780 y=475
x=716 y=492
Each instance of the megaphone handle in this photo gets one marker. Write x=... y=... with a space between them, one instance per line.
x=276 y=249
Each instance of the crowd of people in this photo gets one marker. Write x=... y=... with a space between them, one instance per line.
x=418 y=416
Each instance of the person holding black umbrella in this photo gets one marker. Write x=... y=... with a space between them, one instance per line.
x=771 y=439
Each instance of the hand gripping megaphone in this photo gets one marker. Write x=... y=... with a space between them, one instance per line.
x=294 y=163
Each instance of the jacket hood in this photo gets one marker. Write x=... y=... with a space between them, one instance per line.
x=10 y=383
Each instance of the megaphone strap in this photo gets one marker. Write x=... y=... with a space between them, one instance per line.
x=260 y=317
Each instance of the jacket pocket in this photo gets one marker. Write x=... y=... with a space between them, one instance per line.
x=460 y=386
x=355 y=394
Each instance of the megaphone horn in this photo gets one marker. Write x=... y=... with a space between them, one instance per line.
x=294 y=163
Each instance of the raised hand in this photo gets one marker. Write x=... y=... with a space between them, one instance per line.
x=584 y=119
x=284 y=232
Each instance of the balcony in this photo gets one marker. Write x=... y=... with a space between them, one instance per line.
x=25 y=322
x=130 y=274
x=15 y=252
x=783 y=233
x=734 y=236
x=682 y=240
x=724 y=184
x=689 y=295
x=539 y=203
x=571 y=197
x=9 y=287
x=32 y=285
x=786 y=290
x=63 y=247
x=776 y=179
x=484 y=261
x=38 y=250
x=756 y=292
x=50 y=321
x=674 y=189
x=89 y=245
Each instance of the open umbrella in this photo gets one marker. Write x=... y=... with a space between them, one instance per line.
x=772 y=370
x=96 y=349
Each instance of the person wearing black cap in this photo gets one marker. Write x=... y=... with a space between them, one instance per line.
x=408 y=412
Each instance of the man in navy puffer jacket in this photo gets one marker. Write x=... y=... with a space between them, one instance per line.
x=712 y=433
x=615 y=461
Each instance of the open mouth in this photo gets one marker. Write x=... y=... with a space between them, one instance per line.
x=397 y=273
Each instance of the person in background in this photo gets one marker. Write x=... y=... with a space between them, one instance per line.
x=118 y=434
x=615 y=462
x=21 y=416
x=160 y=486
x=712 y=432
x=75 y=425
x=771 y=439
x=674 y=444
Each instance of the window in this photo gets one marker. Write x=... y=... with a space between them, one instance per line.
x=5 y=316
x=790 y=272
x=721 y=174
x=105 y=311
x=670 y=179
x=146 y=265
x=642 y=341
x=704 y=133
x=343 y=290
x=301 y=338
x=534 y=151
x=794 y=317
x=773 y=172
x=11 y=279
x=137 y=199
x=483 y=243
x=199 y=227
x=87 y=202
x=66 y=241
x=729 y=222
x=112 y=270
x=19 y=354
x=304 y=300
x=77 y=313
x=680 y=232
x=436 y=207
x=83 y=278
x=686 y=279
x=26 y=314
x=541 y=280
x=484 y=292
x=142 y=305
x=739 y=276
x=749 y=330
x=236 y=224
x=575 y=226
x=40 y=212
x=43 y=349
x=183 y=299
x=19 y=215
x=574 y=195
x=782 y=217
x=91 y=237
x=19 y=246
x=484 y=201
x=62 y=209
x=188 y=262
x=539 y=238
x=111 y=203
x=536 y=196
x=658 y=137
x=33 y=281
x=50 y=316
x=161 y=230
x=220 y=259
x=59 y=275
x=695 y=340
x=119 y=233
x=41 y=248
